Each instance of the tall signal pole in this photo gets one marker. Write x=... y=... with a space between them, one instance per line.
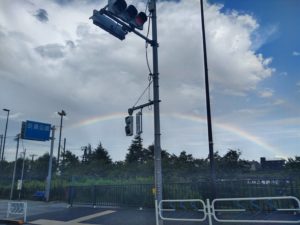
x=157 y=134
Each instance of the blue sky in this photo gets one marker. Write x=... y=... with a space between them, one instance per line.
x=282 y=45
x=53 y=58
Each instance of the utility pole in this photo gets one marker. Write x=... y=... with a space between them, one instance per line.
x=48 y=185
x=32 y=157
x=64 y=152
x=62 y=114
x=2 y=153
x=209 y=126
x=22 y=173
x=15 y=166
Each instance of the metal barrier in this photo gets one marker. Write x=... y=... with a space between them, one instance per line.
x=255 y=206
x=252 y=210
x=17 y=208
x=172 y=208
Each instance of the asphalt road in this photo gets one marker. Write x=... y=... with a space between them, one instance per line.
x=40 y=213
x=125 y=216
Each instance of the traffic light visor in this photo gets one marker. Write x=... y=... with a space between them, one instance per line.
x=140 y=19
x=131 y=12
x=117 y=6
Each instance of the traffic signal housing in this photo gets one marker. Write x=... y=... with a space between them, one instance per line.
x=129 y=125
x=108 y=25
x=128 y=14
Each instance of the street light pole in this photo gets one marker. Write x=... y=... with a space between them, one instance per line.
x=62 y=114
x=2 y=154
x=209 y=126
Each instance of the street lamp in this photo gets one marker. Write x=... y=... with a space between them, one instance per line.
x=2 y=153
x=62 y=114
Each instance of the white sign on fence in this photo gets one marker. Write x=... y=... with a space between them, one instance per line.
x=17 y=208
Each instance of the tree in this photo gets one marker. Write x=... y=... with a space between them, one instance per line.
x=293 y=163
x=136 y=153
x=101 y=154
x=40 y=166
x=70 y=161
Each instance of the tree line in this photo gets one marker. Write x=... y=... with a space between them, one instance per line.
x=138 y=164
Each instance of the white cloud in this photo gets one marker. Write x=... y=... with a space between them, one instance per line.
x=98 y=74
x=279 y=102
x=295 y=53
x=266 y=93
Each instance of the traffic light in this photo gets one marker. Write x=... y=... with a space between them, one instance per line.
x=108 y=25
x=128 y=14
x=129 y=125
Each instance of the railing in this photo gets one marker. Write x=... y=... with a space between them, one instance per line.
x=233 y=210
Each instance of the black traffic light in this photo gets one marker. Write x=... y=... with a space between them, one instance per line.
x=128 y=14
x=129 y=125
x=108 y=25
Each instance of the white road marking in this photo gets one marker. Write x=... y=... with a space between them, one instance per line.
x=84 y=218
x=73 y=222
x=54 y=222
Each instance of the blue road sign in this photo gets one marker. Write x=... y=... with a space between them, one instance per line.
x=32 y=130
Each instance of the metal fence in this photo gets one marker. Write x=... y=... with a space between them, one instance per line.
x=141 y=195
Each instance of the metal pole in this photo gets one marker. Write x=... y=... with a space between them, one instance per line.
x=59 y=139
x=64 y=148
x=22 y=173
x=157 y=145
x=48 y=185
x=63 y=156
x=15 y=166
x=1 y=142
x=2 y=154
x=209 y=126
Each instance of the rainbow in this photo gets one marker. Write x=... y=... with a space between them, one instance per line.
x=227 y=127
x=235 y=130
x=98 y=119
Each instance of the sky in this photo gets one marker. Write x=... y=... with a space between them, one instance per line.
x=52 y=57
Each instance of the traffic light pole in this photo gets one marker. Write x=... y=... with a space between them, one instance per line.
x=110 y=27
x=155 y=77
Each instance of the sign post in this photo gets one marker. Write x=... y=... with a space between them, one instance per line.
x=48 y=184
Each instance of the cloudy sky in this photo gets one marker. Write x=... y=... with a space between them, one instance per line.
x=52 y=57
